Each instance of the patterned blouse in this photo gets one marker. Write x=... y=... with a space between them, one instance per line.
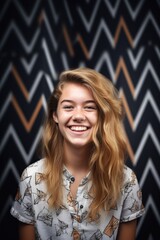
x=70 y=221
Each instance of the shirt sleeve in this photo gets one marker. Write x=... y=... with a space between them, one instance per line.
x=22 y=205
x=132 y=202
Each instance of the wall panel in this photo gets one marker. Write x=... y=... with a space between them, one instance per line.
x=39 y=39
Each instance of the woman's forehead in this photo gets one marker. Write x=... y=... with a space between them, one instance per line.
x=76 y=92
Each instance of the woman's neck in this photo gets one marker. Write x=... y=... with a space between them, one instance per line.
x=77 y=159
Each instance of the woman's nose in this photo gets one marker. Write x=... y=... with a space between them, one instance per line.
x=78 y=116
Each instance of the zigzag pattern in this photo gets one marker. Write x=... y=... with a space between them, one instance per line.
x=43 y=38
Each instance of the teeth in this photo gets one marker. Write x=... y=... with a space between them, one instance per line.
x=78 y=128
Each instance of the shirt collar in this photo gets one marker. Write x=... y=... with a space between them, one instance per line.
x=70 y=178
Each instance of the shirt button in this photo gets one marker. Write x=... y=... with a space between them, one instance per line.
x=72 y=179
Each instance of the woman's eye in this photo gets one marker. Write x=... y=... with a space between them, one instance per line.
x=68 y=107
x=90 y=107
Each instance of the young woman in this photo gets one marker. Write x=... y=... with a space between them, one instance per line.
x=82 y=188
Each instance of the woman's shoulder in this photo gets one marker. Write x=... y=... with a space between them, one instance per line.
x=129 y=175
x=34 y=167
x=127 y=170
x=32 y=176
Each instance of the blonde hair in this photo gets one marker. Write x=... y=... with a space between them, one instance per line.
x=107 y=160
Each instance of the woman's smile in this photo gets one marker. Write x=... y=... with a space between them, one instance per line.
x=78 y=128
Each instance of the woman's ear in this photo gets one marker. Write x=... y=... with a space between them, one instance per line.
x=55 y=117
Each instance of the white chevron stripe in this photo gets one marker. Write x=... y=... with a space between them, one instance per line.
x=44 y=102
x=102 y=27
x=9 y=100
x=88 y=24
x=148 y=68
x=53 y=11
x=50 y=32
x=68 y=13
x=64 y=60
x=11 y=132
x=5 y=105
x=135 y=60
x=29 y=66
x=6 y=74
x=10 y=167
x=82 y=64
x=149 y=204
x=157 y=50
x=149 y=132
x=49 y=59
x=27 y=19
x=27 y=47
x=134 y=13
x=149 y=168
x=148 y=18
x=49 y=82
x=36 y=82
x=112 y=10
x=147 y=99
x=105 y=58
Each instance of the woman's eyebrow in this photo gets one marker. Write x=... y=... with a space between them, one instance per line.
x=66 y=100
x=71 y=101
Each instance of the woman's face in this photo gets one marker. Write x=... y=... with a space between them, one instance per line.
x=76 y=114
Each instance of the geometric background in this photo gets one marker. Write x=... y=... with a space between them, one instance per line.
x=39 y=39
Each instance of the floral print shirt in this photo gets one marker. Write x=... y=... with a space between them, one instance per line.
x=70 y=221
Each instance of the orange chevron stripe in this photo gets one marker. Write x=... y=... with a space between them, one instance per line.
x=27 y=124
x=121 y=66
x=68 y=41
x=122 y=25
x=83 y=46
x=129 y=149
x=20 y=83
x=127 y=109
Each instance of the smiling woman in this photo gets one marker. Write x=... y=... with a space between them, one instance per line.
x=81 y=188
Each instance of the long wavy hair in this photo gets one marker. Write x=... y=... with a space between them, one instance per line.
x=109 y=142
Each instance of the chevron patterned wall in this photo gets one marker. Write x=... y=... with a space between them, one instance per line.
x=39 y=39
